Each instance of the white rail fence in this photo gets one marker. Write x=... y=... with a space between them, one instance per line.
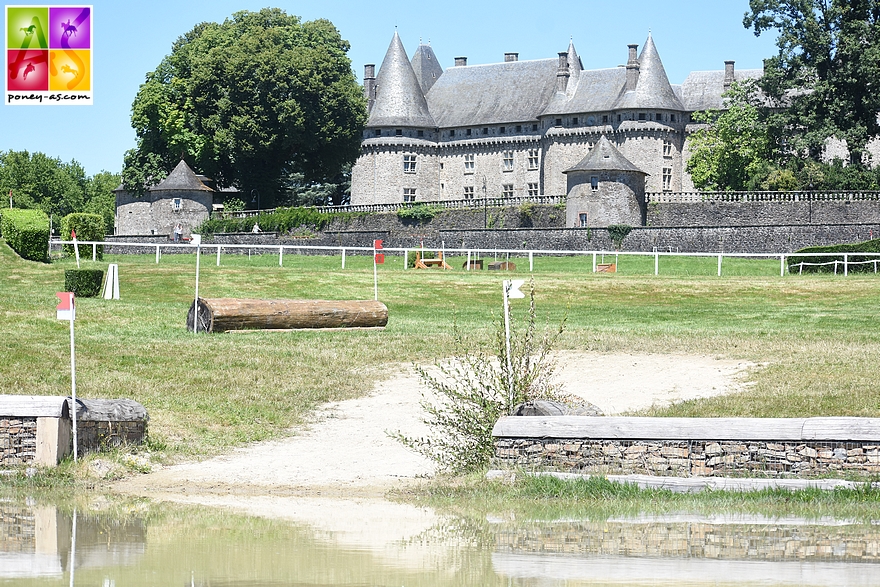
x=474 y=253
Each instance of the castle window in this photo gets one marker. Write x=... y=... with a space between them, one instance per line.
x=558 y=122
x=409 y=163
x=574 y=121
x=507 y=190
x=641 y=116
x=420 y=133
x=378 y=132
x=468 y=192
x=485 y=130
x=618 y=118
x=452 y=132
x=658 y=116
x=594 y=182
x=518 y=128
x=507 y=161
x=533 y=189
x=667 y=179
x=468 y=132
x=667 y=148
x=604 y=119
x=398 y=132
x=502 y=130
x=409 y=194
x=441 y=165
x=177 y=204
x=672 y=118
x=583 y=220
x=534 y=127
x=469 y=163
x=533 y=159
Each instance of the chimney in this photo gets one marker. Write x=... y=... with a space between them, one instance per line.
x=562 y=72
x=508 y=57
x=370 y=85
x=460 y=61
x=632 y=68
x=728 y=75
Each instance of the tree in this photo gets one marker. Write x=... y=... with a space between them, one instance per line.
x=249 y=102
x=826 y=77
x=733 y=149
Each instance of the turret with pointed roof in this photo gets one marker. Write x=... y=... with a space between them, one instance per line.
x=604 y=157
x=181 y=178
x=426 y=67
x=399 y=97
x=652 y=88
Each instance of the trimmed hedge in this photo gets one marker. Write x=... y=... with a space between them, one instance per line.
x=26 y=232
x=88 y=227
x=84 y=283
x=283 y=220
x=871 y=246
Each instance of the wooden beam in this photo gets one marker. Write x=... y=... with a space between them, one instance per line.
x=224 y=314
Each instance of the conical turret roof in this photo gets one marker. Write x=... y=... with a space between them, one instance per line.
x=399 y=97
x=181 y=178
x=574 y=67
x=604 y=157
x=426 y=67
x=653 y=89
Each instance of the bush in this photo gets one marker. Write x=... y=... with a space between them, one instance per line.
x=282 y=220
x=84 y=283
x=419 y=213
x=871 y=246
x=618 y=232
x=88 y=227
x=26 y=232
x=474 y=390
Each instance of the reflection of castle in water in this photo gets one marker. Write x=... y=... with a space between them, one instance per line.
x=39 y=541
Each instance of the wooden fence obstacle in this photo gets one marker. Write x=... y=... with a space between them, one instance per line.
x=606 y=268
x=502 y=266
x=225 y=314
x=428 y=263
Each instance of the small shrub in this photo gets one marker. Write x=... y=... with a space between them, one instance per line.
x=618 y=232
x=26 y=232
x=419 y=213
x=411 y=257
x=233 y=205
x=84 y=283
x=526 y=213
x=88 y=227
x=836 y=254
x=473 y=390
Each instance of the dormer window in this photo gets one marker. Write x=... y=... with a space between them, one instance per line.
x=468 y=132
x=420 y=133
x=518 y=128
x=502 y=130
x=452 y=133
x=594 y=182
x=558 y=122
x=378 y=132
x=672 y=118
x=485 y=130
x=642 y=116
x=398 y=132
x=574 y=121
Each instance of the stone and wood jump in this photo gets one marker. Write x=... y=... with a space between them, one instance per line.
x=690 y=448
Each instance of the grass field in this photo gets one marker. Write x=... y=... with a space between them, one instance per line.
x=818 y=335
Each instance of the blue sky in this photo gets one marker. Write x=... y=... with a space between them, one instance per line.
x=131 y=38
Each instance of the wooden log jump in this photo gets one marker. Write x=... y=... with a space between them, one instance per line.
x=224 y=314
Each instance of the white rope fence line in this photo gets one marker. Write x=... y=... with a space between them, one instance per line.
x=473 y=253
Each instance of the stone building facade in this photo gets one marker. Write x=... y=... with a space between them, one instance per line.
x=514 y=128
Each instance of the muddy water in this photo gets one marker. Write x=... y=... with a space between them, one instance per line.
x=311 y=541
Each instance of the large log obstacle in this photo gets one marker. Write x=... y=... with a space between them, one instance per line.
x=224 y=314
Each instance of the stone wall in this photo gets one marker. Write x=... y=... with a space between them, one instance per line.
x=18 y=440
x=691 y=458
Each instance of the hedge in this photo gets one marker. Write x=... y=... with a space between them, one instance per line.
x=84 y=283
x=26 y=232
x=281 y=220
x=88 y=227
x=871 y=246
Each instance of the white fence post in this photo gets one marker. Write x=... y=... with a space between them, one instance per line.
x=157 y=254
x=719 y=264
x=656 y=262
x=531 y=261
x=845 y=264
x=405 y=259
x=94 y=252
x=218 y=255
x=281 y=256
x=782 y=266
x=594 y=261
x=343 y=257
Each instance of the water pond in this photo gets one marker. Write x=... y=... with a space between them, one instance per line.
x=306 y=542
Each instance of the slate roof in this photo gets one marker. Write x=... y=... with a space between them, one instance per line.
x=399 y=97
x=597 y=90
x=653 y=89
x=574 y=67
x=604 y=157
x=702 y=90
x=181 y=178
x=514 y=91
x=426 y=67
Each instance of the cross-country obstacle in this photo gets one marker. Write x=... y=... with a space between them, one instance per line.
x=225 y=314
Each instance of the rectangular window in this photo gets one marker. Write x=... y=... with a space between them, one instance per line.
x=507 y=161
x=533 y=189
x=420 y=133
x=667 y=148
x=533 y=159
x=469 y=164
x=667 y=179
x=502 y=130
x=658 y=116
x=468 y=192
x=378 y=132
x=485 y=130
x=641 y=116
x=594 y=182
x=507 y=190
x=177 y=204
x=574 y=121
x=672 y=118
x=604 y=119
x=518 y=128
x=398 y=132
x=409 y=163
x=558 y=122
x=534 y=127
x=618 y=118
x=583 y=220
x=452 y=132
x=468 y=132
x=409 y=194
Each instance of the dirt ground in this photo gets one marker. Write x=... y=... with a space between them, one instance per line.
x=346 y=452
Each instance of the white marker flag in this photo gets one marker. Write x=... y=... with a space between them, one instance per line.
x=513 y=291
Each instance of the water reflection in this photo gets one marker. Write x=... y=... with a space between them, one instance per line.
x=308 y=542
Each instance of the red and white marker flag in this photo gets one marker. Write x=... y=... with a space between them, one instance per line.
x=378 y=257
x=66 y=307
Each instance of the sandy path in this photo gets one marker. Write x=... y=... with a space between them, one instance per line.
x=346 y=452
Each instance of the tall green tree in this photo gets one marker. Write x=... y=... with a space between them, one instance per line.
x=826 y=77
x=249 y=102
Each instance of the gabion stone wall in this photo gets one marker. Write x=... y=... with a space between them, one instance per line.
x=18 y=440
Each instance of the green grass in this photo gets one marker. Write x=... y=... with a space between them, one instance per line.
x=818 y=334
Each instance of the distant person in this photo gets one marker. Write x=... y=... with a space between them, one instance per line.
x=256 y=228
x=178 y=232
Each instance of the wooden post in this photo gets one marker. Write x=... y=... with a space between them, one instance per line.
x=225 y=314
